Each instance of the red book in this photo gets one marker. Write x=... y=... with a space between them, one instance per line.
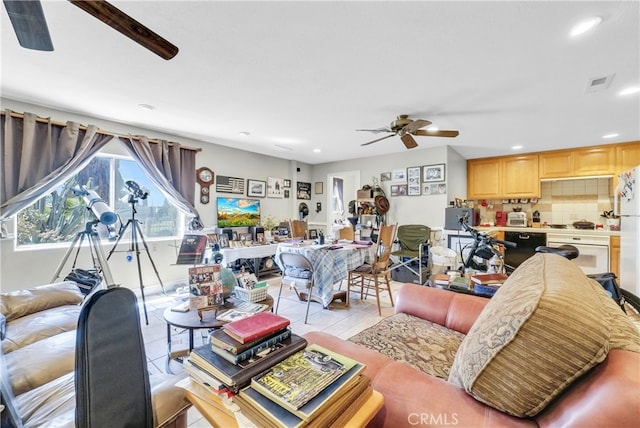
x=489 y=278
x=259 y=325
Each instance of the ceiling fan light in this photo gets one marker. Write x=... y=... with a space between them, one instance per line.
x=585 y=26
x=432 y=128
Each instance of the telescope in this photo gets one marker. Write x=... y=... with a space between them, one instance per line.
x=97 y=205
x=135 y=190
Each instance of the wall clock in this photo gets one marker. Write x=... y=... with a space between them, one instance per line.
x=204 y=177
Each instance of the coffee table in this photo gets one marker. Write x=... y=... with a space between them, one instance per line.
x=191 y=321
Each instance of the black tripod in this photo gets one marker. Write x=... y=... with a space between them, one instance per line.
x=134 y=247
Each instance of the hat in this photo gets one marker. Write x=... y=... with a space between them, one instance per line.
x=303 y=209
x=382 y=204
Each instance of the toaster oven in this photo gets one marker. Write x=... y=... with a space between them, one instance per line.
x=517 y=219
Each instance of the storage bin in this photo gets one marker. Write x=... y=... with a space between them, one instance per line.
x=251 y=295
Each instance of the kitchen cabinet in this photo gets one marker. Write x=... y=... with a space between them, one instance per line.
x=503 y=177
x=614 y=255
x=627 y=157
x=590 y=161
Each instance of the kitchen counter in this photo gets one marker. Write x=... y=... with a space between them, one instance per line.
x=568 y=231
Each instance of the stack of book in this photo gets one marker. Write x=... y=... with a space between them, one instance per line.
x=487 y=283
x=245 y=348
x=312 y=388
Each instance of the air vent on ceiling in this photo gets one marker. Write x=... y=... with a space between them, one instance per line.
x=600 y=83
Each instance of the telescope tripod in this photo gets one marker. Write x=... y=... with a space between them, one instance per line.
x=97 y=253
x=134 y=247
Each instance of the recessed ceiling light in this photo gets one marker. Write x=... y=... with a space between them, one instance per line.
x=629 y=91
x=147 y=106
x=316 y=150
x=585 y=26
x=245 y=133
x=612 y=135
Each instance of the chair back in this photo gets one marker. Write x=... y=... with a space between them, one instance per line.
x=298 y=229
x=347 y=233
x=412 y=236
x=111 y=377
x=294 y=261
x=386 y=236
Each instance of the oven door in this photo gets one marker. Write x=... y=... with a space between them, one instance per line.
x=594 y=255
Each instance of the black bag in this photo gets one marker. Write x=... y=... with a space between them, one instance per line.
x=87 y=280
x=610 y=285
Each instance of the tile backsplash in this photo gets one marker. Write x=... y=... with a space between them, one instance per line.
x=561 y=202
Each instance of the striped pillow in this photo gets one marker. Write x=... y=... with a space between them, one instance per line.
x=546 y=326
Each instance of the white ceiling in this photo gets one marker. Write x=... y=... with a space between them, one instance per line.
x=306 y=75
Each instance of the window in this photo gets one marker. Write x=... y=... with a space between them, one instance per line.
x=60 y=215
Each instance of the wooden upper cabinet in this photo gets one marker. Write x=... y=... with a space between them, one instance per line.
x=520 y=177
x=556 y=164
x=483 y=178
x=594 y=161
x=503 y=177
x=585 y=162
x=627 y=156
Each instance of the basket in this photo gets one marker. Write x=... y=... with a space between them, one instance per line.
x=251 y=295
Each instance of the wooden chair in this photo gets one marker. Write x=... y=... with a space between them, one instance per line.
x=297 y=273
x=298 y=229
x=370 y=276
x=347 y=233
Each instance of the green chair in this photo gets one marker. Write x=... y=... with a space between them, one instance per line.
x=414 y=248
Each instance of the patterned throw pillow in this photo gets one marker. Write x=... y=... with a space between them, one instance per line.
x=546 y=326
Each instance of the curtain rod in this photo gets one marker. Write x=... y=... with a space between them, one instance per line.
x=84 y=128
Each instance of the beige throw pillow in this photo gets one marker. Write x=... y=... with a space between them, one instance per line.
x=546 y=326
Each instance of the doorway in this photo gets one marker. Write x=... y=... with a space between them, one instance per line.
x=338 y=205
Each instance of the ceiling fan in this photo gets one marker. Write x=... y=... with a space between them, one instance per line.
x=406 y=128
x=30 y=25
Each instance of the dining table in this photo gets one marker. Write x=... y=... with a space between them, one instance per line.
x=331 y=263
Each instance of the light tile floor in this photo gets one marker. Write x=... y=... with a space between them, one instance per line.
x=339 y=320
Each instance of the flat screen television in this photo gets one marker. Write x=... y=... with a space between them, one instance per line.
x=238 y=212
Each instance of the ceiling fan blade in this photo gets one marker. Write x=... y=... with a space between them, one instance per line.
x=416 y=124
x=439 y=133
x=409 y=141
x=376 y=131
x=115 y=18
x=29 y=24
x=379 y=139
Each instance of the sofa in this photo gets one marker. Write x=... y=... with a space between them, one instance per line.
x=38 y=361
x=549 y=349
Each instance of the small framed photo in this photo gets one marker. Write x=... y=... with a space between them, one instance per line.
x=399 y=175
x=246 y=237
x=286 y=193
x=433 y=173
x=413 y=181
x=286 y=184
x=385 y=176
x=275 y=187
x=398 y=190
x=256 y=188
x=313 y=233
x=212 y=239
x=223 y=240
x=319 y=188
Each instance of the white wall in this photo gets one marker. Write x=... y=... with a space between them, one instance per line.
x=21 y=269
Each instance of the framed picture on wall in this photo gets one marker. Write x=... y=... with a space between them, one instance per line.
x=286 y=183
x=304 y=190
x=286 y=193
x=413 y=181
x=399 y=175
x=256 y=188
x=319 y=188
x=433 y=173
x=275 y=187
